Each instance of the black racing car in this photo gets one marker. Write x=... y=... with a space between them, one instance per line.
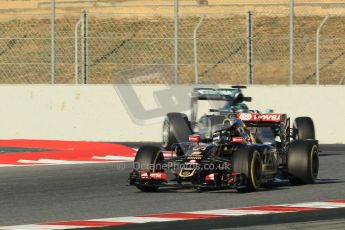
x=236 y=158
x=177 y=127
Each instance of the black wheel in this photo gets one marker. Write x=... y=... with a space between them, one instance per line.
x=248 y=162
x=303 y=162
x=176 y=128
x=303 y=128
x=149 y=159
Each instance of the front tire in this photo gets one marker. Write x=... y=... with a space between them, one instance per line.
x=176 y=128
x=148 y=159
x=248 y=161
x=303 y=162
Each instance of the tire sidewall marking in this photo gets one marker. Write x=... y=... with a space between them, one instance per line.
x=312 y=152
x=252 y=164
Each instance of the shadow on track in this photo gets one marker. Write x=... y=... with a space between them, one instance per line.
x=328 y=181
x=330 y=154
x=269 y=187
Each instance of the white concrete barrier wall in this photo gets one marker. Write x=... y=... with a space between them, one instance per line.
x=125 y=113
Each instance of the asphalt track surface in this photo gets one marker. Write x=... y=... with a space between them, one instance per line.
x=38 y=194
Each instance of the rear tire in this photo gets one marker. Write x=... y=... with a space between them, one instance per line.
x=176 y=128
x=149 y=159
x=303 y=128
x=303 y=162
x=248 y=162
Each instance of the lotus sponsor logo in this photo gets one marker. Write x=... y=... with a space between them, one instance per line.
x=259 y=117
x=186 y=173
x=269 y=117
x=194 y=158
x=197 y=152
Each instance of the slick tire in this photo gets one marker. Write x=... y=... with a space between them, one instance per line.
x=303 y=128
x=303 y=162
x=149 y=159
x=176 y=128
x=248 y=161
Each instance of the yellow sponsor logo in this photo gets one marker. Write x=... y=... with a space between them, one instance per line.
x=196 y=153
x=186 y=173
x=194 y=158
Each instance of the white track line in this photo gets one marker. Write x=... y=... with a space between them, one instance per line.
x=40 y=227
x=325 y=205
x=179 y=216
x=112 y=158
x=54 y=161
x=138 y=219
x=229 y=212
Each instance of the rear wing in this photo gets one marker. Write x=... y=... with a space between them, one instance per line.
x=233 y=95
x=221 y=94
x=270 y=118
x=274 y=120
